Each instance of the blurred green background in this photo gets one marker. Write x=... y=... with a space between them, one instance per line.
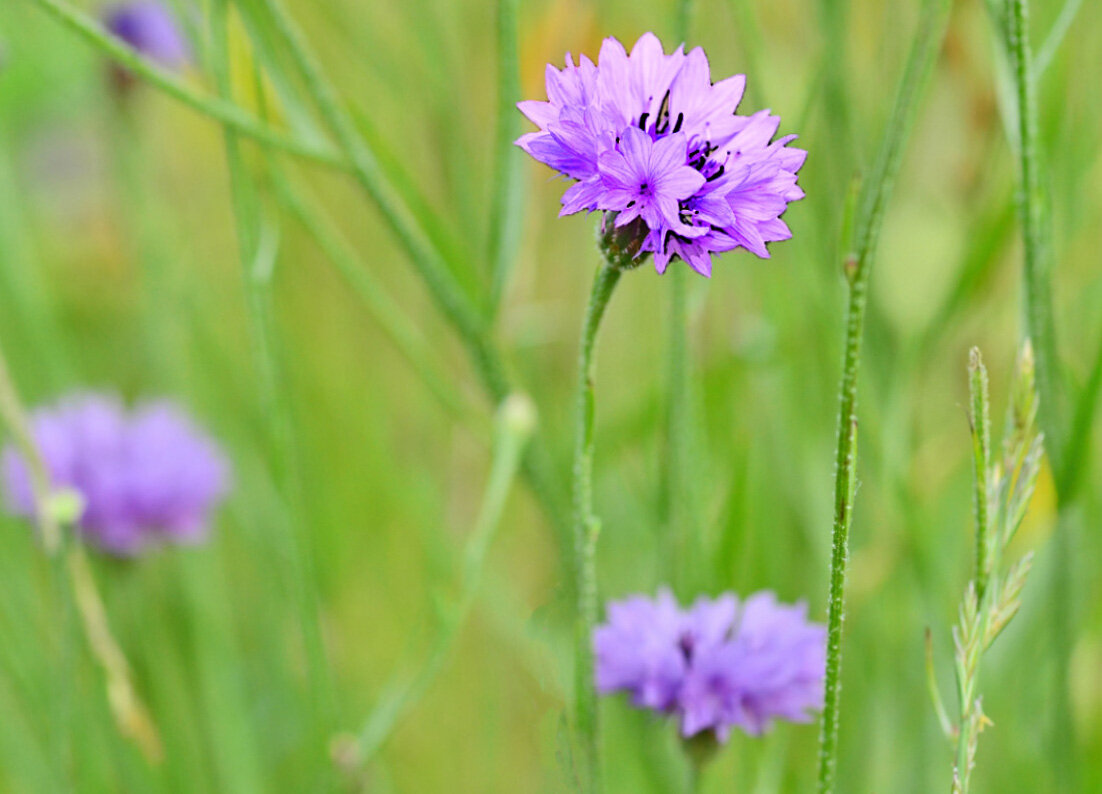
x=118 y=270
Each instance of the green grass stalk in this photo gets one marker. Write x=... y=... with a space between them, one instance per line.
x=1041 y=328
x=405 y=335
x=876 y=193
x=255 y=259
x=426 y=259
x=513 y=428
x=1047 y=53
x=1037 y=272
x=1007 y=488
x=507 y=202
x=749 y=36
x=53 y=512
x=226 y=113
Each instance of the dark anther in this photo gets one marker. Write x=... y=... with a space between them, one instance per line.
x=643 y=121
x=685 y=645
x=718 y=173
x=680 y=121
x=662 y=123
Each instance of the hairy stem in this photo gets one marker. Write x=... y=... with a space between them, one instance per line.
x=586 y=530
x=874 y=202
x=980 y=420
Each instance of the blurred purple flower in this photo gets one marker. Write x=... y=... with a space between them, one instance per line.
x=146 y=475
x=149 y=28
x=718 y=665
x=648 y=135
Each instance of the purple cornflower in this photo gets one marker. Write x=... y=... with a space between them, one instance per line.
x=717 y=665
x=146 y=475
x=630 y=129
x=150 y=29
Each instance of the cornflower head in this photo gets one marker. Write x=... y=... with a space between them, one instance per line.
x=659 y=148
x=150 y=29
x=145 y=475
x=717 y=665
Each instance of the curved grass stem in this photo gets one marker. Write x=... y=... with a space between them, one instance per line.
x=426 y=258
x=513 y=428
x=226 y=113
x=70 y=564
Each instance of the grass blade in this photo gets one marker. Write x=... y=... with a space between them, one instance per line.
x=227 y=113
x=507 y=203
x=1037 y=272
x=877 y=192
x=515 y=423
x=252 y=246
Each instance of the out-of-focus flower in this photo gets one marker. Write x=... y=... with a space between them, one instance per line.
x=717 y=665
x=150 y=28
x=146 y=475
x=649 y=136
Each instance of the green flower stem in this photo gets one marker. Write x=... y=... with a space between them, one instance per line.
x=255 y=260
x=858 y=268
x=227 y=113
x=516 y=419
x=586 y=530
x=700 y=751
